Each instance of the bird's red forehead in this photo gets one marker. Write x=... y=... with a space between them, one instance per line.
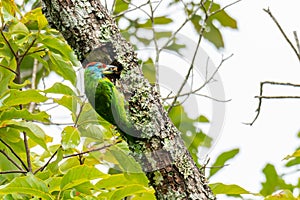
x=98 y=64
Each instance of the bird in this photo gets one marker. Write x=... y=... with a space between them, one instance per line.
x=102 y=94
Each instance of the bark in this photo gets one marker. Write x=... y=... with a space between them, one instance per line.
x=87 y=26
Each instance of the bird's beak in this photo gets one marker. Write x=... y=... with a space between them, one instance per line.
x=110 y=70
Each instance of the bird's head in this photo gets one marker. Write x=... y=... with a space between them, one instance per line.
x=99 y=70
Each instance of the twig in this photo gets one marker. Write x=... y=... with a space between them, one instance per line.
x=133 y=9
x=92 y=150
x=297 y=41
x=34 y=72
x=47 y=163
x=260 y=97
x=8 y=69
x=283 y=33
x=277 y=97
x=8 y=44
x=13 y=152
x=13 y=172
x=27 y=149
x=10 y=159
x=217 y=11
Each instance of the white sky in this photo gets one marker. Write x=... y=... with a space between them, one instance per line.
x=260 y=54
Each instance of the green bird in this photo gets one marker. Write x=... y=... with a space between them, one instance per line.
x=108 y=102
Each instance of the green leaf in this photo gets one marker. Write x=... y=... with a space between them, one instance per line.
x=122 y=180
x=282 y=195
x=18 y=28
x=35 y=19
x=128 y=191
x=126 y=162
x=294 y=155
x=273 y=181
x=13 y=113
x=121 y=6
x=213 y=34
x=59 y=88
x=221 y=160
x=196 y=20
x=70 y=102
x=70 y=137
x=29 y=185
x=192 y=137
x=220 y=188
x=79 y=175
x=17 y=97
x=6 y=77
x=33 y=131
x=162 y=20
x=62 y=67
x=149 y=71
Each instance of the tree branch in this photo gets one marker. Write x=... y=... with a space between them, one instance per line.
x=283 y=33
x=261 y=96
x=13 y=152
x=10 y=159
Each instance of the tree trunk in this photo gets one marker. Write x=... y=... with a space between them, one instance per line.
x=87 y=27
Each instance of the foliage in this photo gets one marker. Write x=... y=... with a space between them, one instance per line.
x=32 y=163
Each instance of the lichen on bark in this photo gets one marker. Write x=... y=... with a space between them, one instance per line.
x=87 y=27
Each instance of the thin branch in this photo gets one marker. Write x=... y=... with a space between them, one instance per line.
x=297 y=41
x=8 y=44
x=80 y=111
x=34 y=72
x=13 y=172
x=25 y=53
x=133 y=9
x=189 y=71
x=92 y=150
x=10 y=159
x=47 y=163
x=277 y=97
x=27 y=149
x=260 y=97
x=13 y=152
x=9 y=69
x=222 y=9
x=282 y=32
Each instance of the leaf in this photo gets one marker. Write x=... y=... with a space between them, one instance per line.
x=220 y=188
x=120 y=153
x=70 y=102
x=59 y=46
x=79 y=175
x=296 y=154
x=149 y=71
x=70 y=137
x=13 y=113
x=221 y=160
x=162 y=20
x=33 y=131
x=213 y=34
x=18 y=28
x=17 y=97
x=59 y=88
x=62 y=67
x=192 y=137
x=29 y=185
x=128 y=191
x=121 y=180
x=273 y=181
x=121 y=6
x=282 y=195
x=35 y=19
